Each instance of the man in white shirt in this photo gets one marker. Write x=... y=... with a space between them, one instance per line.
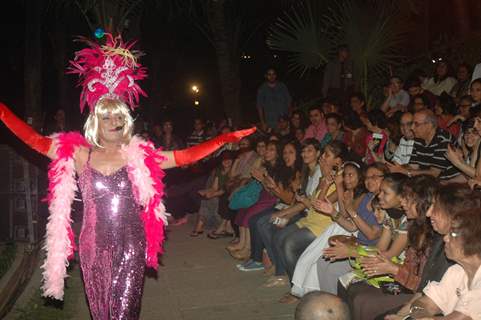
x=405 y=147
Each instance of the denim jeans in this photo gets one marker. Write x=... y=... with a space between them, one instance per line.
x=268 y=232
x=257 y=245
x=289 y=243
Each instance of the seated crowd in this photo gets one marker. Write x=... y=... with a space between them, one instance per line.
x=369 y=212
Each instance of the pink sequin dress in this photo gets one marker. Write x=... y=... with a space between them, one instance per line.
x=111 y=245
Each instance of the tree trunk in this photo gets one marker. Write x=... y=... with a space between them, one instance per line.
x=60 y=65
x=33 y=62
x=461 y=15
x=227 y=60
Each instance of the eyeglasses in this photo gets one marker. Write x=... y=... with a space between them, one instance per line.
x=375 y=176
x=418 y=124
x=465 y=105
x=407 y=124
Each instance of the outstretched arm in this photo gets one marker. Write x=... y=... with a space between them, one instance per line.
x=190 y=155
x=26 y=133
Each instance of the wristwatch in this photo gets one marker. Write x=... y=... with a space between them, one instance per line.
x=412 y=310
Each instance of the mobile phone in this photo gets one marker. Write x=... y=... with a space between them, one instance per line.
x=377 y=136
x=301 y=193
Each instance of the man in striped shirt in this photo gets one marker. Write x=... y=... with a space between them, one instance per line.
x=429 y=151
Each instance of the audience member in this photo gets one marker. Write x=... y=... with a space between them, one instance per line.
x=283 y=186
x=338 y=80
x=319 y=305
x=429 y=151
x=445 y=111
x=273 y=100
x=208 y=216
x=475 y=92
x=169 y=141
x=265 y=174
x=463 y=77
x=403 y=152
x=458 y=293
x=292 y=240
x=441 y=81
x=377 y=137
x=283 y=129
x=317 y=129
x=468 y=157
x=335 y=131
x=415 y=88
x=357 y=102
x=396 y=99
x=358 y=133
x=448 y=201
x=267 y=229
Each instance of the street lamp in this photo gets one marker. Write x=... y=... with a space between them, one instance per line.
x=195 y=89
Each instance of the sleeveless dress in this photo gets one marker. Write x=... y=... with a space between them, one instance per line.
x=111 y=245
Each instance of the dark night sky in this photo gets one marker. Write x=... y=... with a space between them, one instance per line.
x=186 y=58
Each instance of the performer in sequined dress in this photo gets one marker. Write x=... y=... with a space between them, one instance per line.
x=120 y=177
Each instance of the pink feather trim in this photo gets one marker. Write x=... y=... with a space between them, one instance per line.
x=110 y=70
x=59 y=238
x=145 y=173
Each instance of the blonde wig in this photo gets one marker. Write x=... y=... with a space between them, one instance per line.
x=107 y=106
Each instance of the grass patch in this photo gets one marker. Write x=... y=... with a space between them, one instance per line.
x=7 y=256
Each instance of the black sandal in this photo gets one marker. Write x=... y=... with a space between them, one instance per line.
x=215 y=236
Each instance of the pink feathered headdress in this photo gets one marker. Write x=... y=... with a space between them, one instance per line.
x=109 y=70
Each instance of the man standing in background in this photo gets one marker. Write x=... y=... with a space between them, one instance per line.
x=338 y=81
x=273 y=100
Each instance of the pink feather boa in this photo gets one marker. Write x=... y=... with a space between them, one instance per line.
x=146 y=176
x=59 y=242
x=144 y=171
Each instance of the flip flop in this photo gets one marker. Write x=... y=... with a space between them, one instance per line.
x=196 y=233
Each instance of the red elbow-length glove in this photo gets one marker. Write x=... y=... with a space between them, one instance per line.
x=24 y=132
x=190 y=155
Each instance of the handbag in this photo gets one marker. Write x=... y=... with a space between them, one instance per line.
x=245 y=196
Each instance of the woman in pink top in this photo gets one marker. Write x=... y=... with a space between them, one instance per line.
x=318 y=128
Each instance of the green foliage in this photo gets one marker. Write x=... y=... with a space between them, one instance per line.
x=372 y=30
x=300 y=32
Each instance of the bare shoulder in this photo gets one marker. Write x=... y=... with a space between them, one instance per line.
x=81 y=155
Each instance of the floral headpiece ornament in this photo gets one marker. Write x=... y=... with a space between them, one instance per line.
x=109 y=70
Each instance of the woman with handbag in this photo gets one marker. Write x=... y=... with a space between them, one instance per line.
x=282 y=186
x=253 y=198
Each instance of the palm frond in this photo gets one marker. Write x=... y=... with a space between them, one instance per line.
x=300 y=32
x=374 y=34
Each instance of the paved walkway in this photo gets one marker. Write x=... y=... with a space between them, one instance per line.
x=199 y=281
